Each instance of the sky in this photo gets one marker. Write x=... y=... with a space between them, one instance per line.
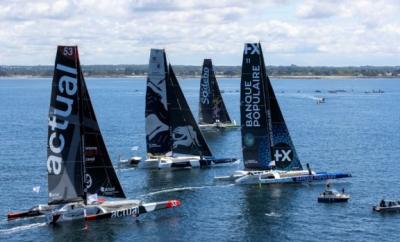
x=300 y=32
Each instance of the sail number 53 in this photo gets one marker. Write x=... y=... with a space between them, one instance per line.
x=68 y=51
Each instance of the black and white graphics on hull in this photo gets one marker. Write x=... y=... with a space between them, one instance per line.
x=58 y=119
x=205 y=86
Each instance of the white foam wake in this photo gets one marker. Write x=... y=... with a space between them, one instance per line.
x=178 y=189
x=272 y=214
x=21 y=228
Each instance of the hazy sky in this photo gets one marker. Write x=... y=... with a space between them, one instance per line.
x=301 y=32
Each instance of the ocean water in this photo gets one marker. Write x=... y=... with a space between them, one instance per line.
x=353 y=131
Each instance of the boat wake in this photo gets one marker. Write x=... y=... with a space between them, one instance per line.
x=305 y=96
x=21 y=228
x=125 y=169
x=272 y=214
x=179 y=189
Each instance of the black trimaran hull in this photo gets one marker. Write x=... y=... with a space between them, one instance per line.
x=78 y=164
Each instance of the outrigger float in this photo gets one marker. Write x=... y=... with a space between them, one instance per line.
x=269 y=154
x=173 y=138
x=79 y=167
x=213 y=115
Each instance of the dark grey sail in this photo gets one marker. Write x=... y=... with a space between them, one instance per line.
x=255 y=127
x=78 y=162
x=283 y=151
x=64 y=148
x=158 y=135
x=100 y=176
x=186 y=135
x=211 y=104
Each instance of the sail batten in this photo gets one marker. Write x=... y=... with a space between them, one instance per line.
x=212 y=108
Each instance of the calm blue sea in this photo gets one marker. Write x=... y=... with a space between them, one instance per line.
x=352 y=132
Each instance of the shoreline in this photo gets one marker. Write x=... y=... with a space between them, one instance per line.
x=217 y=76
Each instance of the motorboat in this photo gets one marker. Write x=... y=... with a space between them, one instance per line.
x=387 y=206
x=331 y=195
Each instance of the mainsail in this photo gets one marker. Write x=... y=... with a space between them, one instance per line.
x=186 y=135
x=211 y=104
x=283 y=151
x=255 y=128
x=265 y=136
x=157 y=118
x=64 y=149
x=77 y=159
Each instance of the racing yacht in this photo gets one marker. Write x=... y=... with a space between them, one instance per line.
x=78 y=165
x=269 y=154
x=213 y=115
x=173 y=137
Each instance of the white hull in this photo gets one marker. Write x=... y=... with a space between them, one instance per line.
x=270 y=177
x=278 y=177
x=387 y=209
x=168 y=162
x=179 y=162
x=388 y=206
x=333 y=196
x=108 y=209
x=131 y=162
x=217 y=126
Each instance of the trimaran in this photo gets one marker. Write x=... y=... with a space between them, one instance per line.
x=79 y=167
x=173 y=137
x=268 y=152
x=213 y=114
